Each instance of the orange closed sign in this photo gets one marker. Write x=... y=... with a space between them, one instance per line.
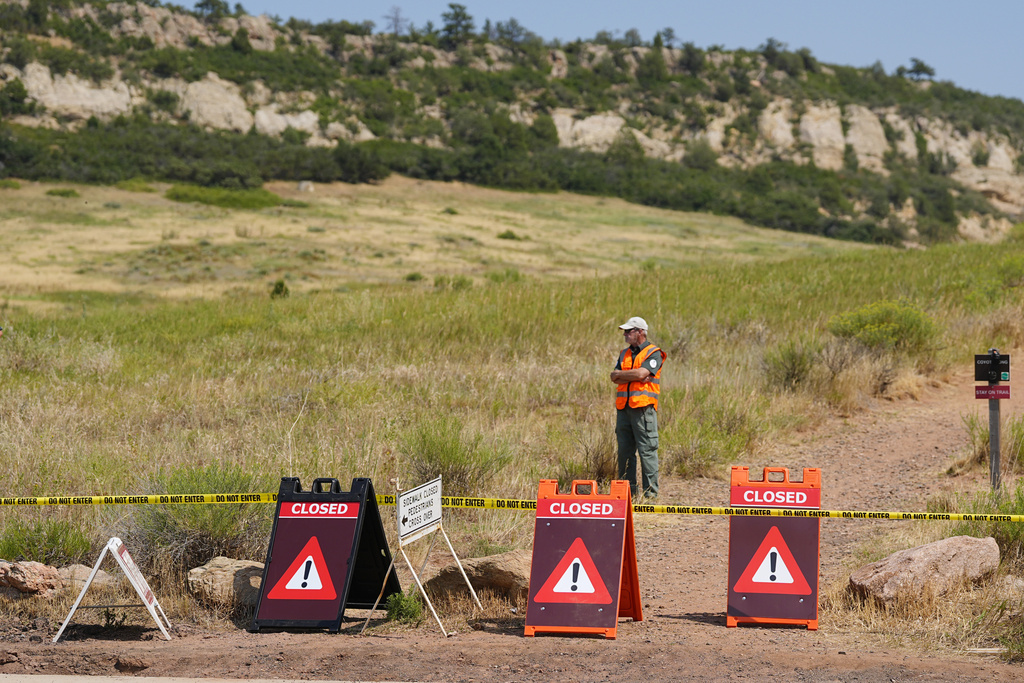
x=583 y=576
x=773 y=561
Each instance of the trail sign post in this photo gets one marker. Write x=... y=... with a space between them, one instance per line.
x=993 y=368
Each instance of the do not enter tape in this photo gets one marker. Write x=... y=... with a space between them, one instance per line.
x=472 y=502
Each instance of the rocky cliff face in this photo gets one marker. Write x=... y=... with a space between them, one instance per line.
x=822 y=132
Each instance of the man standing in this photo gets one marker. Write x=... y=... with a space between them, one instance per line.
x=638 y=375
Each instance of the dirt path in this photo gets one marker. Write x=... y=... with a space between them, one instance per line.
x=889 y=458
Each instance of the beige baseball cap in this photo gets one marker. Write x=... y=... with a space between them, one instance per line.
x=634 y=323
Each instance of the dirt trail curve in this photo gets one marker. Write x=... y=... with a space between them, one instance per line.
x=888 y=458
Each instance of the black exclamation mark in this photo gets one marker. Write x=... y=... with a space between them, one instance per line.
x=575 y=574
x=771 y=558
x=309 y=565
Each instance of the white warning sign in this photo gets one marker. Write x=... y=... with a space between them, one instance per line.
x=306 y=577
x=574 y=580
x=772 y=569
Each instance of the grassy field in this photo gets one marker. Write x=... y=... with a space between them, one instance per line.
x=144 y=353
x=348 y=237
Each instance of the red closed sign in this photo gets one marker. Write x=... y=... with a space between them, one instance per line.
x=740 y=496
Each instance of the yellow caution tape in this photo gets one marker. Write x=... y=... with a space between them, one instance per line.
x=513 y=504
x=160 y=499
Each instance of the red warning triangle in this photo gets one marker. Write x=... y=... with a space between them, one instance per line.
x=575 y=580
x=307 y=578
x=773 y=569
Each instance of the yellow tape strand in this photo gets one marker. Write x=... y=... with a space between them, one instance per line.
x=511 y=504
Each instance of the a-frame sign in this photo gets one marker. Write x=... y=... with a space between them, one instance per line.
x=584 y=571
x=328 y=552
x=773 y=561
x=119 y=552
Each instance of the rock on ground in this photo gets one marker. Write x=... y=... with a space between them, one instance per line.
x=935 y=567
x=507 y=574
x=227 y=582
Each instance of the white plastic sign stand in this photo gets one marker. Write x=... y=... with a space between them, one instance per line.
x=419 y=514
x=135 y=578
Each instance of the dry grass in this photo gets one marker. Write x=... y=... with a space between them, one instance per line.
x=114 y=240
x=966 y=617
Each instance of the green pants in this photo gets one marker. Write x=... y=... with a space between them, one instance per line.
x=636 y=430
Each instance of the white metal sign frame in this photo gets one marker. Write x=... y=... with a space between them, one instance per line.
x=418 y=511
x=418 y=514
x=124 y=560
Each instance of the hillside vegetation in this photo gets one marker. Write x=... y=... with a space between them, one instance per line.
x=104 y=92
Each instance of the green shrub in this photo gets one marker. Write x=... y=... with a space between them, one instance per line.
x=1011 y=271
x=596 y=459
x=887 y=326
x=441 y=446
x=407 y=609
x=135 y=185
x=716 y=430
x=279 y=290
x=66 y=192
x=789 y=365
x=53 y=542
x=229 y=199
x=184 y=536
x=508 y=235
x=414 y=277
x=8 y=184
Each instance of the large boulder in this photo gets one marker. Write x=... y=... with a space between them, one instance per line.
x=507 y=574
x=19 y=579
x=74 y=576
x=933 y=568
x=226 y=582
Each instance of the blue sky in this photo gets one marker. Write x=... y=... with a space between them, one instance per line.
x=979 y=45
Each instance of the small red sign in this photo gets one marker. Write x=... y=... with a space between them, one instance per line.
x=992 y=393
x=575 y=579
x=774 y=497
x=773 y=569
x=307 y=578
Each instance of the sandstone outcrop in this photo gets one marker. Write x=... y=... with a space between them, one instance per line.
x=216 y=103
x=71 y=97
x=822 y=127
x=867 y=137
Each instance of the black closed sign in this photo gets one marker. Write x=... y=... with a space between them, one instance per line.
x=327 y=552
x=990 y=368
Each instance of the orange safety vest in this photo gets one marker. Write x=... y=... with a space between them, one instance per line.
x=639 y=394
